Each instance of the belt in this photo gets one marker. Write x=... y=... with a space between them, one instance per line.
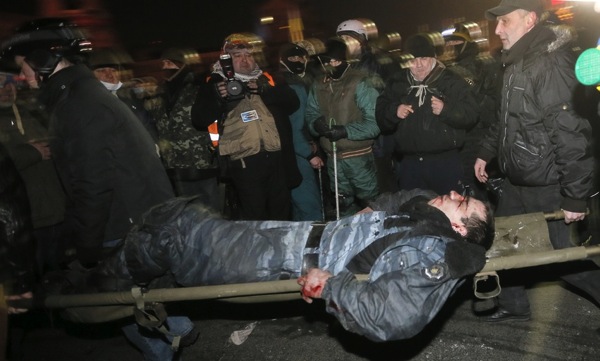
x=310 y=258
x=353 y=153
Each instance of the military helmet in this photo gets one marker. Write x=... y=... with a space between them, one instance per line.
x=44 y=42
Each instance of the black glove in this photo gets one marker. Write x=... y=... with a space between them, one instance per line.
x=336 y=133
x=321 y=127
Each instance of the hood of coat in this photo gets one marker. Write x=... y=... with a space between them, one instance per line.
x=542 y=38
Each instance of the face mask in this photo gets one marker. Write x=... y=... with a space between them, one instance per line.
x=296 y=67
x=112 y=87
x=336 y=72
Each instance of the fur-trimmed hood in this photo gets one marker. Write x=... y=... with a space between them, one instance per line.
x=565 y=34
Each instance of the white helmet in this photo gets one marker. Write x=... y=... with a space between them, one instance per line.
x=364 y=27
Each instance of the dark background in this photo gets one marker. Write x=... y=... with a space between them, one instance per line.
x=144 y=27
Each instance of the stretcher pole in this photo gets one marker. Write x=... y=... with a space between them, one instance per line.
x=335 y=174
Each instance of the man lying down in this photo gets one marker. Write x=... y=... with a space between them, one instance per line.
x=415 y=246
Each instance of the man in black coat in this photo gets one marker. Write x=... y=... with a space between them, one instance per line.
x=108 y=163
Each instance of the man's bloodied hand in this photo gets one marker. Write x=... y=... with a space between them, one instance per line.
x=312 y=283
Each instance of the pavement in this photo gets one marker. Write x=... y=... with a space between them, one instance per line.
x=563 y=326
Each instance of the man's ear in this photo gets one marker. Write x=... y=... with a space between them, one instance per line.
x=459 y=228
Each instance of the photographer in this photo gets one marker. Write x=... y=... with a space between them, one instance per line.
x=255 y=144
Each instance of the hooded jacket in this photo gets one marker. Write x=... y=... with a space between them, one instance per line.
x=539 y=139
x=107 y=161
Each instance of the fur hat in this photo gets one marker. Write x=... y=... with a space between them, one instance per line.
x=239 y=41
x=420 y=46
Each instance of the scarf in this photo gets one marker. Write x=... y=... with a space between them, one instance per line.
x=216 y=68
x=423 y=86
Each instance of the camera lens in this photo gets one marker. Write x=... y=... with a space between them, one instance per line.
x=234 y=88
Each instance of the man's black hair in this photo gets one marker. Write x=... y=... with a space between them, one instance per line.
x=481 y=231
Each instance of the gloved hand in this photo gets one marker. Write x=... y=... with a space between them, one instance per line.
x=336 y=133
x=321 y=126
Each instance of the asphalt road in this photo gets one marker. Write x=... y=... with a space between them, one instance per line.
x=563 y=327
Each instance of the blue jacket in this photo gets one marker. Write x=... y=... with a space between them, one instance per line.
x=403 y=253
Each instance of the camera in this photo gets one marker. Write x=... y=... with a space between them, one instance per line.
x=235 y=88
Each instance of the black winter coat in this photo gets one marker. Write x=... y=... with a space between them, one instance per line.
x=539 y=139
x=423 y=132
x=107 y=161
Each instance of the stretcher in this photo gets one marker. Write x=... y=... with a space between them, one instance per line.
x=520 y=241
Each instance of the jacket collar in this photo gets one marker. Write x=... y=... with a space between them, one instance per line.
x=541 y=38
x=61 y=81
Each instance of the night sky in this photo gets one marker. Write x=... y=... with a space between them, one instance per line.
x=203 y=24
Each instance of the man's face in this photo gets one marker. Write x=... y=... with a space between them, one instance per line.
x=108 y=75
x=243 y=61
x=512 y=26
x=8 y=92
x=457 y=207
x=421 y=67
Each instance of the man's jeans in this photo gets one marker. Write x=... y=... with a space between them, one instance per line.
x=154 y=345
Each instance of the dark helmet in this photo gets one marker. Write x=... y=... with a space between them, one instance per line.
x=109 y=57
x=44 y=42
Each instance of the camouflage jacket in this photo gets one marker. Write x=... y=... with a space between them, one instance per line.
x=181 y=145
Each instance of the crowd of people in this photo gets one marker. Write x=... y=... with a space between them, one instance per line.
x=390 y=163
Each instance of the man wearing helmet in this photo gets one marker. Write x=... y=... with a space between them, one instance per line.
x=341 y=111
x=357 y=33
x=106 y=160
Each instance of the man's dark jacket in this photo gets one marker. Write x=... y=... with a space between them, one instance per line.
x=107 y=161
x=422 y=132
x=539 y=139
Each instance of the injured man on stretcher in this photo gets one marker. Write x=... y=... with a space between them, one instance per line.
x=415 y=246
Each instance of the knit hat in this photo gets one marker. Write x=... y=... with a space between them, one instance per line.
x=508 y=6
x=420 y=46
x=335 y=49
